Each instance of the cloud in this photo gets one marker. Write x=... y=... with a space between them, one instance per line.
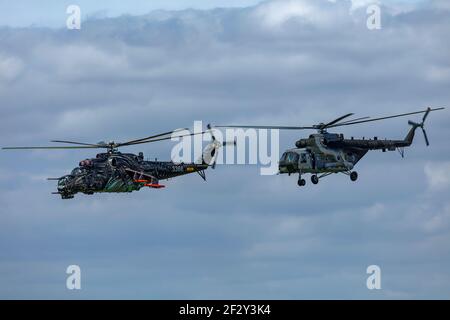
x=438 y=175
x=440 y=4
x=356 y=4
x=10 y=68
x=440 y=221
x=276 y=13
x=76 y=62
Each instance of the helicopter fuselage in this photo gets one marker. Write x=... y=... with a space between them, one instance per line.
x=332 y=153
x=121 y=172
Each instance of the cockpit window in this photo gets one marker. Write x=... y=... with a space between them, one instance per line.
x=76 y=171
x=291 y=157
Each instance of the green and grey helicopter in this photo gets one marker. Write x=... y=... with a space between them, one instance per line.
x=325 y=153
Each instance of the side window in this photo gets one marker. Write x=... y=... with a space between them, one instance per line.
x=303 y=158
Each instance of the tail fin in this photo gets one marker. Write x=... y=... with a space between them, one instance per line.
x=410 y=136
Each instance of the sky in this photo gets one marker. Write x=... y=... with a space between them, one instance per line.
x=48 y=12
x=137 y=70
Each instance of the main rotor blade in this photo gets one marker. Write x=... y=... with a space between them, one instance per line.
x=265 y=127
x=336 y=120
x=288 y=127
x=87 y=146
x=357 y=119
x=383 y=118
x=50 y=148
x=80 y=143
x=148 y=138
x=159 y=139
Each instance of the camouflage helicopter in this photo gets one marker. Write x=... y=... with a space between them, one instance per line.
x=113 y=171
x=325 y=153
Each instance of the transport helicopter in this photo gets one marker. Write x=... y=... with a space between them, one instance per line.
x=325 y=153
x=114 y=171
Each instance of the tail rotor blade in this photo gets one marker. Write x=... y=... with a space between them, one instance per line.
x=426 y=115
x=426 y=137
x=208 y=126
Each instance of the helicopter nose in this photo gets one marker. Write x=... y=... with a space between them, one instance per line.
x=61 y=186
x=62 y=183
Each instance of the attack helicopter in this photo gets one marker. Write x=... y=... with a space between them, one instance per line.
x=325 y=153
x=114 y=171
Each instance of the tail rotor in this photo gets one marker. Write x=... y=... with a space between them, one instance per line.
x=421 y=126
x=211 y=151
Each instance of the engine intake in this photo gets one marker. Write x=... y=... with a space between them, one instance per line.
x=302 y=143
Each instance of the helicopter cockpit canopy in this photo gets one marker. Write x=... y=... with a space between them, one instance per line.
x=75 y=171
x=289 y=157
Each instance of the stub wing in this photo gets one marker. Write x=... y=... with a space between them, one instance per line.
x=145 y=178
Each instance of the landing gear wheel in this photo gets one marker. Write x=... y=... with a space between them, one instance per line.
x=301 y=182
x=354 y=176
x=314 y=179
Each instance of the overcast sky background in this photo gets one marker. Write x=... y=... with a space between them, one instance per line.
x=240 y=235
